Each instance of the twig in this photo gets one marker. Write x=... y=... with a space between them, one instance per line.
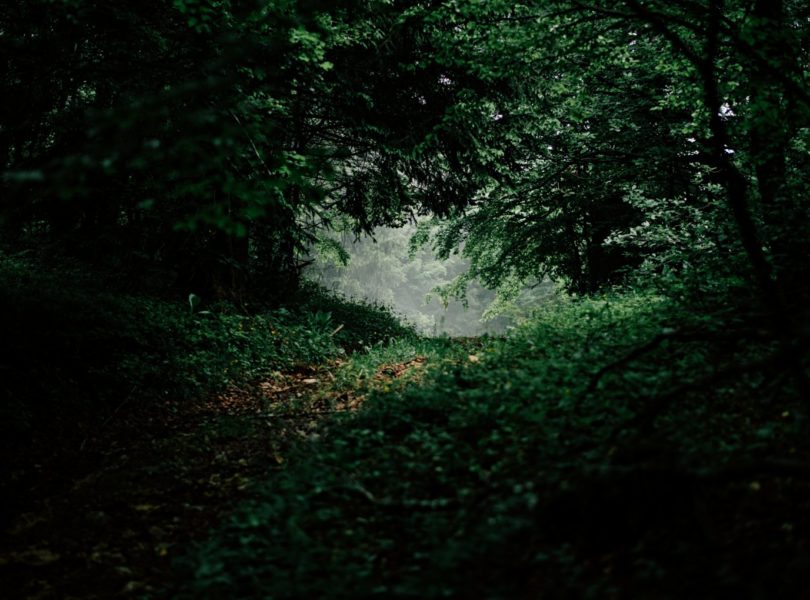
x=406 y=503
x=304 y=413
x=252 y=143
x=682 y=336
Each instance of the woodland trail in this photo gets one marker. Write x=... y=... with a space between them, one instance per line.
x=107 y=520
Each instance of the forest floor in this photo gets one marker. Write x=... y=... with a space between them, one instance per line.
x=106 y=519
x=557 y=462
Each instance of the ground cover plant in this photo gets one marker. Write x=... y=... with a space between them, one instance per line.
x=146 y=395
x=503 y=474
x=76 y=346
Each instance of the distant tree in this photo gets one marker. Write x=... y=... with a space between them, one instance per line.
x=388 y=268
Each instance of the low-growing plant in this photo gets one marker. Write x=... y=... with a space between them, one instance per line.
x=357 y=323
x=74 y=348
x=516 y=467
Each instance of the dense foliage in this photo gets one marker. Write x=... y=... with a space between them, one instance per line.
x=168 y=167
x=208 y=139
x=572 y=134
x=76 y=347
x=512 y=472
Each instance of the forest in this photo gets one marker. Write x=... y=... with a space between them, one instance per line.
x=405 y=299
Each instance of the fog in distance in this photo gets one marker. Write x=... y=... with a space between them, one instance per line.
x=383 y=269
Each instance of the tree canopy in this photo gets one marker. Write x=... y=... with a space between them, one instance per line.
x=581 y=141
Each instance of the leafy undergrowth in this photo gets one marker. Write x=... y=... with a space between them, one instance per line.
x=75 y=350
x=132 y=423
x=608 y=448
x=362 y=325
x=525 y=468
x=109 y=521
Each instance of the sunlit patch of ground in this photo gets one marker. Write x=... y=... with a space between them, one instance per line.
x=411 y=371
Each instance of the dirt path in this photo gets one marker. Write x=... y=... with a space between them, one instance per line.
x=106 y=520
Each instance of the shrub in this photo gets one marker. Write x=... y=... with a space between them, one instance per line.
x=75 y=348
x=505 y=475
x=362 y=323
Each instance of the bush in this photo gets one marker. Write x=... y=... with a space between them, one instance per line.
x=75 y=348
x=505 y=476
x=362 y=323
